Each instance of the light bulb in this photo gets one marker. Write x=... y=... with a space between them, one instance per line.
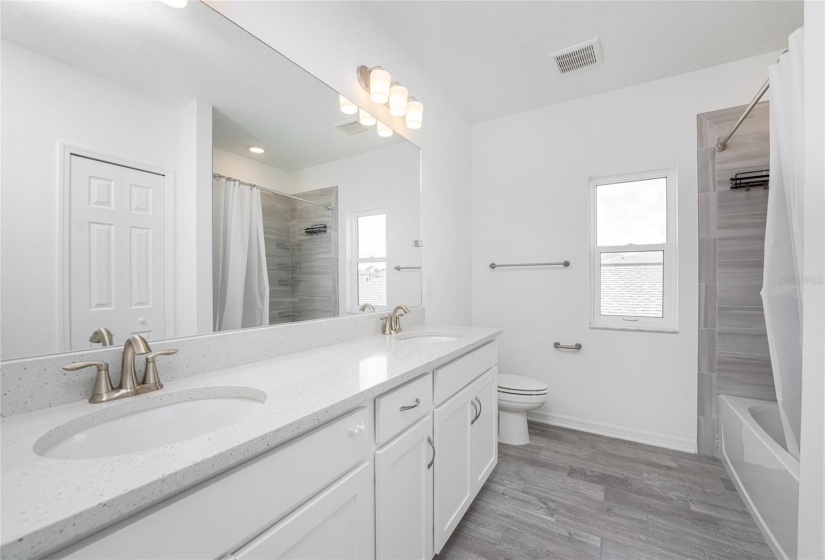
x=256 y=150
x=398 y=100
x=365 y=118
x=380 y=81
x=383 y=130
x=415 y=114
x=347 y=106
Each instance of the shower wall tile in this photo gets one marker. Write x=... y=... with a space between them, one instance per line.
x=741 y=202
x=741 y=236
x=753 y=368
x=706 y=436
x=707 y=351
x=707 y=261
x=707 y=395
x=707 y=306
x=743 y=341
x=735 y=386
x=740 y=283
x=707 y=215
x=741 y=318
x=706 y=178
x=733 y=354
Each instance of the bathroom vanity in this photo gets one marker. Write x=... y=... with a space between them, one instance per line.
x=373 y=448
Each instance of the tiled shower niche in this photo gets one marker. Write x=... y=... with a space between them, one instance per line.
x=733 y=346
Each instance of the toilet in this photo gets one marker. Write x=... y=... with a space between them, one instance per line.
x=517 y=395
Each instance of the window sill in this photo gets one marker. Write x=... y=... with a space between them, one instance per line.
x=663 y=330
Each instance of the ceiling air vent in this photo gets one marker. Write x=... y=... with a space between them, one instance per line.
x=578 y=57
x=351 y=127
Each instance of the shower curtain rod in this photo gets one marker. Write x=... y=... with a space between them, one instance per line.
x=722 y=144
x=219 y=176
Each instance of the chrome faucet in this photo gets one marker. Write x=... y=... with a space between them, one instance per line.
x=104 y=392
x=392 y=322
x=367 y=306
x=102 y=336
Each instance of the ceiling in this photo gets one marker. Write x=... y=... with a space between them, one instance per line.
x=259 y=97
x=491 y=57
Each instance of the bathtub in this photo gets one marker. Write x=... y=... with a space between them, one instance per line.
x=764 y=473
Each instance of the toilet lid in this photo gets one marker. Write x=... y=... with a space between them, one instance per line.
x=520 y=384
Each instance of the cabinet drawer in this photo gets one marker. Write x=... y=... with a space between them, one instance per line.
x=402 y=407
x=217 y=516
x=457 y=374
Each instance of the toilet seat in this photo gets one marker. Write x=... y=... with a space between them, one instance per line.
x=518 y=385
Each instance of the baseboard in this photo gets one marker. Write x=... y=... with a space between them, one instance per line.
x=611 y=430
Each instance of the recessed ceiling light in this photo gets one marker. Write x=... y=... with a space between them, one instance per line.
x=256 y=150
x=175 y=3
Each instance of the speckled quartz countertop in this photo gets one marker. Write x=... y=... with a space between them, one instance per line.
x=48 y=503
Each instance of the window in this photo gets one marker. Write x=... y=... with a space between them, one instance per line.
x=370 y=260
x=633 y=251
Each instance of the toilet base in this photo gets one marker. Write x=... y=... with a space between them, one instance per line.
x=512 y=427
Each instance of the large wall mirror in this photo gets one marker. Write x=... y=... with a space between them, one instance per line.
x=166 y=173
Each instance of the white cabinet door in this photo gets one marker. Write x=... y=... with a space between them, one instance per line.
x=404 y=495
x=483 y=433
x=338 y=523
x=117 y=261
x=454 y=483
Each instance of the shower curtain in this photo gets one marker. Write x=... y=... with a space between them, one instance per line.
x=782 y=281
x=240 y=282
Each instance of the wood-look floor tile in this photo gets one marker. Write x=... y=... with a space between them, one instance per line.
x=572 y=495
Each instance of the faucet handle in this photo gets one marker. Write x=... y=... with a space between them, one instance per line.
x=387 y=328
x=150 y=357
x=103 y=383
x=151 y=380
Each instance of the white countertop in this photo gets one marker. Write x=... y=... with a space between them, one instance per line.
x=48 y=503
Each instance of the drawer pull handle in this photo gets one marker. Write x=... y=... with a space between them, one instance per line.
x=480 y=408
x=357 y=429
x=410 y=406
x=475 y=416
x=430 y=441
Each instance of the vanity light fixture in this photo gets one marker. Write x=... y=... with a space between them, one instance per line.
x=347 y=106
x=175 y=3
x=256 y=149
x=365 y=118
x=398 y=99
x=383 y=130
x=376 y=81
x=378 y=84
x=415 y=113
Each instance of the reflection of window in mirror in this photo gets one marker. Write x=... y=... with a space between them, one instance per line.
x=369 y=260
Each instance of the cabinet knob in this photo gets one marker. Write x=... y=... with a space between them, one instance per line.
x=357 y=429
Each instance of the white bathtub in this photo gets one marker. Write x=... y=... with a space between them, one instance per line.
x=765 y=474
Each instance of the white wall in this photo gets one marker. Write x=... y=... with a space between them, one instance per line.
x=330 y=40
x=251 y=171
x=811 y=541
x=384 y=179
x=193 y=221
x=530 y=203
x=45 y=102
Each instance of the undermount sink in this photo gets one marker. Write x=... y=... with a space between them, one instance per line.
x=149 y=422
x=428 y=337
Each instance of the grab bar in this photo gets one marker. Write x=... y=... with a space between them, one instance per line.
x=561 y=263
x=407 y=268
x=561 y=346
